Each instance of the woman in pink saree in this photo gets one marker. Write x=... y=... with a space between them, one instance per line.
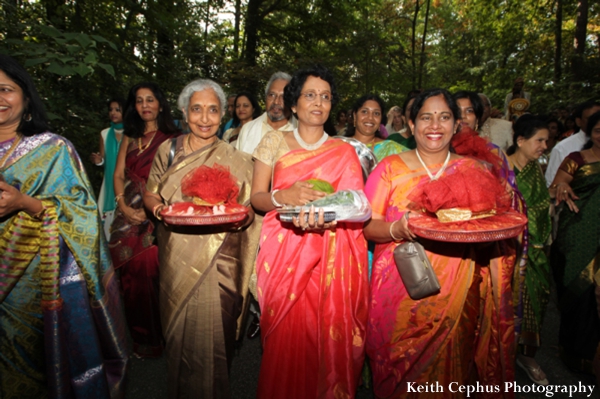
x=463 y=334
x=312 y=276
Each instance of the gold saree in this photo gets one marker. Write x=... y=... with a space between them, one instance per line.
x=204 y=274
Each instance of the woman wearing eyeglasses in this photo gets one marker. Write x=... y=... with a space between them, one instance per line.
x=312 y=276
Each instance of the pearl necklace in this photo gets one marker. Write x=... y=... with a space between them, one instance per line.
x=439 y=173
x=309 y=147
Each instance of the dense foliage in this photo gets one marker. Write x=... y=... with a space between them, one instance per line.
x=82 y=52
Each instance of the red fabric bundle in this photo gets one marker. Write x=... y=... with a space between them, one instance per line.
x=213 y=185
x=467 y=142
x=473 y=188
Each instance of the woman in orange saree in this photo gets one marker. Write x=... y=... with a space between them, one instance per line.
x=464 y=334
x=312 y=277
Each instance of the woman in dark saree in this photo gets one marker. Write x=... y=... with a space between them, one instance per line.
x=575 y=257
x=148 y=123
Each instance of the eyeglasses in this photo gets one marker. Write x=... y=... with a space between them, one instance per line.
x=274 y=96
x=312 y=96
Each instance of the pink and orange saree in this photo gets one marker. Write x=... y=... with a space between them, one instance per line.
x=312 y=288
x=462 y=335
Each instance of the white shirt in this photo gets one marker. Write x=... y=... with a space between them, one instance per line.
x=499 y=131
x=561 y=150
x=253 y=131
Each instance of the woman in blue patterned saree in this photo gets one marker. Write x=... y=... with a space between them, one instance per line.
x=62 y=330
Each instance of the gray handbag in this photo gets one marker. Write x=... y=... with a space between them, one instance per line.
x=415 y=270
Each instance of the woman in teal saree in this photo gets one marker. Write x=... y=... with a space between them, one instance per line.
x=62 y=330
x=576 y=252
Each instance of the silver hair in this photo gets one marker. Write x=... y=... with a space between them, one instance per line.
x=277 y=76
x=486 y=99
x=188 y=91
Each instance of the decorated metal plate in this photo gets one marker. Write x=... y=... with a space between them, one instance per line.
x=495 y=228
x=190 y=214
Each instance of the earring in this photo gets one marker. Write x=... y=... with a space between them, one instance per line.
x=27 y=118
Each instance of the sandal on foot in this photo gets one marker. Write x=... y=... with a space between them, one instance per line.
x=532 y=372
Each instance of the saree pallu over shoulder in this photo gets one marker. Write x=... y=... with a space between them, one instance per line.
x=59 y=268
x=205 y=272
x=579 y=233
x=312 y=288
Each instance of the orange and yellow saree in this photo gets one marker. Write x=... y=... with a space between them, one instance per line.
x=462 y=335
x=312 y=288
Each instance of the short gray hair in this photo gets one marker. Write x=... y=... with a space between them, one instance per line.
x=486 y=99
x=277 y=76
x=188 y=91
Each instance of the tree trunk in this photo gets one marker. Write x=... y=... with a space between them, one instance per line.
x=422 y=62
x=580 y=35
x=11 y=11
x=56 y=13
x=236 y=32
x=558 y=43
x=163 y=23
x=414 y=43
x=253 y=21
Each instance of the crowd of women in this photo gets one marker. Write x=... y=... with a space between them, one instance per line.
x=86 y=284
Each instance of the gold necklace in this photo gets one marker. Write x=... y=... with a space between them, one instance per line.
x=145 y=147
x=8 y=152
x=594 y=153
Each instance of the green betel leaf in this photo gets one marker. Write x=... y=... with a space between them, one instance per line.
x=321 y=185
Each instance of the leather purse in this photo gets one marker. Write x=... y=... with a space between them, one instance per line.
x=415 y=270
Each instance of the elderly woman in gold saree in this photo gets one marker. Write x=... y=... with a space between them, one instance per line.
x=204 y=271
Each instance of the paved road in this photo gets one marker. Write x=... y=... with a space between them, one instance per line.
x=147 y=379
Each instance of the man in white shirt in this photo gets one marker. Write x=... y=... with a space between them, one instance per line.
x=276 y=117
x=498 y=131
x=573 y=143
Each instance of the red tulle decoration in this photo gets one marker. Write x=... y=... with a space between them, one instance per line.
x=473 y=188
x=468 y=143
x=213 y=185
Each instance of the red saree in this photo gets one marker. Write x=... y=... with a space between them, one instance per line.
x=135 y=254
x=312 y=289
x=464 y=334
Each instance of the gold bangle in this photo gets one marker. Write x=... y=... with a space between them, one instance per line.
x=156 y=209
x=392 y=234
